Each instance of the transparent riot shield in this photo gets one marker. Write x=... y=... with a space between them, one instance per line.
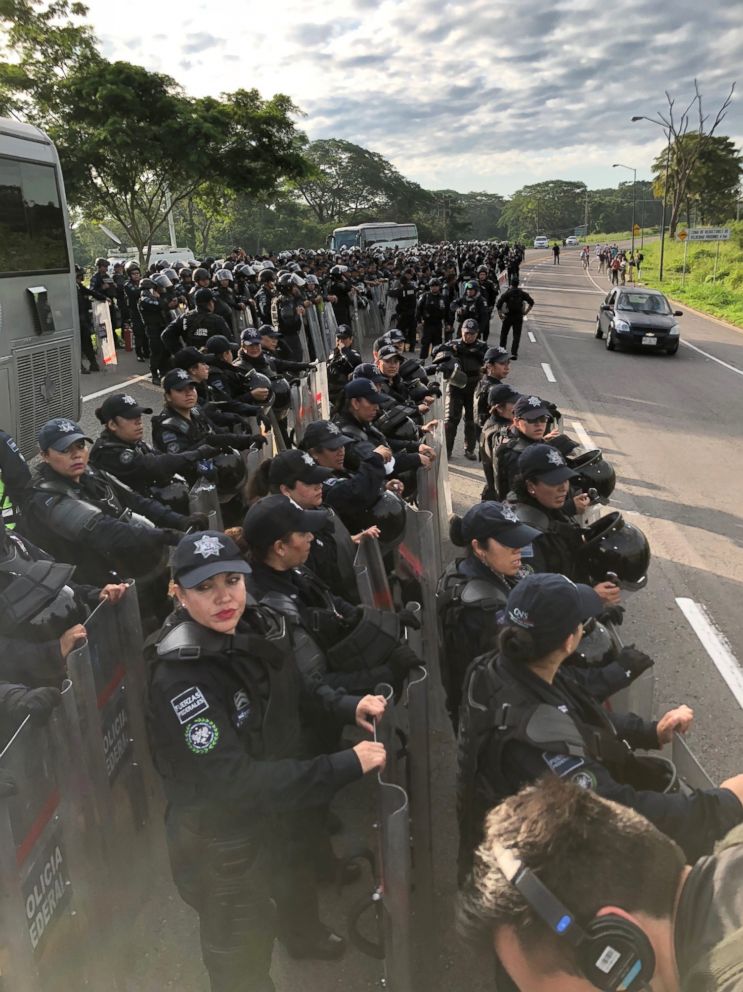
x=389 y=312
x=330 y=325
x=204 y=498
x=417 y=568
x=427 y=489
x=53 y=884
x=688 y=766
x=394 y=859
x=319 y=390
x=316 y=335
x=108 y=675
x=371 y=576
x=639 y=697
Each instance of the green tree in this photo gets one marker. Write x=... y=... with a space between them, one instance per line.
x=553 y=208
x=712 y=183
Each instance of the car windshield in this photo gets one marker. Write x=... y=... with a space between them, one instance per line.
x=643 y=303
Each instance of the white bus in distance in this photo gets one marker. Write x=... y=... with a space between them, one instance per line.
x=382 y=234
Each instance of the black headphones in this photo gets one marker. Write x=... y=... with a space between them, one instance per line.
x=614 y=954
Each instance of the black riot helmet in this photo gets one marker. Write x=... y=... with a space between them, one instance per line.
x=229 y=474
x=594 y=472
x=162 y=282
x=596 y=646
x=36 y=602
x=174 y=495
x=614 y=546
x=388 y=513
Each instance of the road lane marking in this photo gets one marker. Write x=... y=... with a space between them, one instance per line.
x=548 y=372
x=531 y=337
x=562 y=289
x=706 y=354
x=119 y=385
x=715 y=644
x=583 y=435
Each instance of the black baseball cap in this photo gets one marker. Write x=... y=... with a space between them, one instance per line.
x=530 y=407
x=470 y=325
x=218 y=344
x=550 y=607
x=497 y=355
x=120 y=405
x=502 y=393
x=393 y=334
x=251 y=335
x=358 y=389
x=268 y=331
x=59 y=433
x=290 y=467
x=343 y=331
x=546 y=463
x=186 y=358
x=177 y=379
x=202 y=555
x=204 y=295
x=389 y=351
x=368 y=371
x=274 y=516
x=496 y=520
x=324 y=434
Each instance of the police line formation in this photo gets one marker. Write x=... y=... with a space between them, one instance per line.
x=241 y=526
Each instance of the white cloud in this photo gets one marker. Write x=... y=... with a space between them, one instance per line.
x=480 y=95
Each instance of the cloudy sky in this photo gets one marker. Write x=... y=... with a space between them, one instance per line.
x=472 y=96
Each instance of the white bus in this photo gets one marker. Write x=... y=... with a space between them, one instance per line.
x=383 y=234
x=39 y=324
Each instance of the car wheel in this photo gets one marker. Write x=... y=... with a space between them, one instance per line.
x=610 y=342
x=673 y=350
x=599 y=332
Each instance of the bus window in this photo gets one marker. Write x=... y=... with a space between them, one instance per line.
x=345 y=239
x=32 y=231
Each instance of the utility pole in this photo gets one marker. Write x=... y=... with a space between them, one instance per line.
x=585 y=214
x=667 y=133
x=629 y=168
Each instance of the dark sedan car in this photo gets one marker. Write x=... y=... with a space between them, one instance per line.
x=642 y=317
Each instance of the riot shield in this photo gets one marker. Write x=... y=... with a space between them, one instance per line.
x=427 y=488
x=53 y=886
x=204 y=498
x=417 y=569
x=319 y=388
x=316 y=336
x=394 y=859
x=108 y=675
x=104 y=332
x=688 y=765
x=371 y=576
x=639 y=697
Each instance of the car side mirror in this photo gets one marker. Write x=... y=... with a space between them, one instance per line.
x=606 y=306
x=678 y=313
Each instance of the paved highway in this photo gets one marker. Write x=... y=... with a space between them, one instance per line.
x=671 y=426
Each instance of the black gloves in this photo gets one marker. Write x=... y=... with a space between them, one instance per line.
x=402 y=660
x=205 y=451
x=170 y=537
x=409 y=619
x=612 y=614
x=36 y=703
x=196 y=521
x=635 y=661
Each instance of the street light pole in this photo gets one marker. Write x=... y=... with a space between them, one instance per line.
x=667 y=132
x=618 y=165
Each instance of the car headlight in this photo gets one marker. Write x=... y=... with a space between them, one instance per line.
x=673 y=330
x=621 y=325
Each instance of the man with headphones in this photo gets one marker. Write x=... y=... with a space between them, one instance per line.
x=575 y=892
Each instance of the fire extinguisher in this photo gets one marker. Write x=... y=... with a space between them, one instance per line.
x=127 y=337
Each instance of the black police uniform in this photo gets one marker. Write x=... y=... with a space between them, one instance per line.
x=469 y=599
x=132 y=293
x=194 y=328
x=516 y=727
x=350 y=492
x=512 y=301
x=331 y=557
x=467 y=307
x=405 y=292
x=558 y=547
x=481 y=397
x=173 y=433
x=433 y=313
x=225 y=736
x=142 y=468
x=335 y=642
x=494 y=433
x=507 y=460
x=366 y=437
x=284 y=318
x=340 y=366
x=155 y=314
x=90 y=524
x=462 y=399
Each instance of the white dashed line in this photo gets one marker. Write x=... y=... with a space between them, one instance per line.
x=548 y=372
x=531 y=337
x=119 y=385
x=712 y=358
x=715 y=644
x=582 y=435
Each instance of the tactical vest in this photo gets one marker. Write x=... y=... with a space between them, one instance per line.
x=516 y=444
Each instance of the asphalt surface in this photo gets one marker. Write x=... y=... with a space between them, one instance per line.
x=671 y=426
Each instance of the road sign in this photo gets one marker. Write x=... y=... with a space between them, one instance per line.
x=636 y=229
x=581 y=230
x=709 y=233
x=682 y=235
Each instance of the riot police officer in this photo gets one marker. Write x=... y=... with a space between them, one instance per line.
x=121 y=450
x=512 y=306
x=531 y=415
x=132 y=292
x=470 y=306
x=86 y=517
x=473 y=590
x=287 y=312
x=342 y=362
x=432 y=313
x=495 y=431
x=15 y=476
x=497 y=363
x=195 y=327
x=155 y=311
x=226 y=738
x=525 y=715
x=469 y=352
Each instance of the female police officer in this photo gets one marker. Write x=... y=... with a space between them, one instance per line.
x=473 y=590
x=225 y=735
x=525 y=715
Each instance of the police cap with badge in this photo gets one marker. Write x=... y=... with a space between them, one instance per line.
x=490 y=519
x=497 y=356
x=177 y=379
x=58 y=434
x=324 y=434
x=531 y=408
x=198 y=557
x=290 y=467
x=502 y=393
x=545 y=463
x=120 y=405
x=274 y=517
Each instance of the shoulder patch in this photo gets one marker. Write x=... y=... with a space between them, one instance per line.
x=126 y=456
x=202 y=736
x=186 y=705
x=562 y=764
x=585 y=779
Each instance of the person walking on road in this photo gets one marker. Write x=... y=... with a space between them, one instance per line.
x=555 y=254
x=512 y=307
